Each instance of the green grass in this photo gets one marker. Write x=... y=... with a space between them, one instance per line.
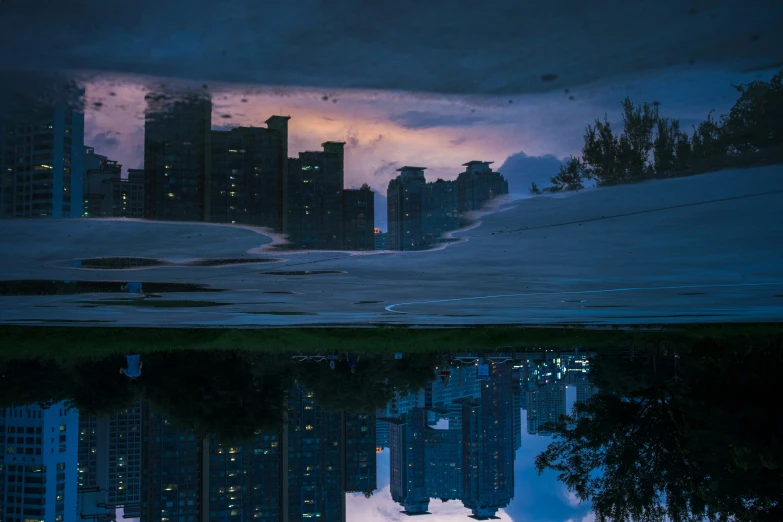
x=98 y=341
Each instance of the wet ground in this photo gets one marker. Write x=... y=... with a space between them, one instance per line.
x=698 y=249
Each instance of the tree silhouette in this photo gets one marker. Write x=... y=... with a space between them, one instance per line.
x=677 y=439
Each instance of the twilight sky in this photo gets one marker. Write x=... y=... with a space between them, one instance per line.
x=525 y=135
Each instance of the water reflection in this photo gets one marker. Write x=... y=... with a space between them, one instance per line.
x=654 y=431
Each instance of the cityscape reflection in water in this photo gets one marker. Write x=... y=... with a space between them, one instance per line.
x=246 y=436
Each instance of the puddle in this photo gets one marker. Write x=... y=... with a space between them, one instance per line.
x=135 y=263
x=228 y=262
x=65 y=321
x=304 y=272
x=68 y=287
x=144 y=303
x=117 y=263
x=280 y=313
x=605 y=306
x=368 y=302
x=693 y=293
x=281 y=292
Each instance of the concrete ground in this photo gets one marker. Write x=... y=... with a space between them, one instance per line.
x=701 y=249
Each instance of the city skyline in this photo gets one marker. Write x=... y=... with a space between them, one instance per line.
x=419 y=128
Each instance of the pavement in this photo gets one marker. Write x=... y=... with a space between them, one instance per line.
x=689 y=250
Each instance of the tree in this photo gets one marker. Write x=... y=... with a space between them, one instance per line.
x=636 y=141
x=755 y=122
x=534 y=188
x=671 y=149
x=599 y=154
x=570 y=176
x=677 y=438
x=365 y=186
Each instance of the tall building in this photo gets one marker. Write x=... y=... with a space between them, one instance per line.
x=128 y=195
x=440 y=209
x=358 y=230
x=407 y=462
x=478 y=185
x=247 y=174
x=359 y=440
x=110 y=457
x=545 y=404
x=405 y=208
x=42 y=160
x=38 y=463
x=488 y=445
x=177 y=164
x=312 y=206
x=316 y=455
x=243 y=479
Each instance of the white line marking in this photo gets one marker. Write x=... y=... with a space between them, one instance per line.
x=390 y=308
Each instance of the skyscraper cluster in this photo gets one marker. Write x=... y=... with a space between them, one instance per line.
x=244 y=176
x=419 y=213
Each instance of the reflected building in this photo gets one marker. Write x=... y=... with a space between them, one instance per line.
x=440 y=209
x=41 y=156
x=177 y=162
x=99 y=175
x=478 y=185
x=405 y=209
x=359 y=442
x=38 y=463
x=312 y=209
x=358 y=207
x=247 y=174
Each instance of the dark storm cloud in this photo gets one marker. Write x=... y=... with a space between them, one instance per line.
x=426 y=120
x=520 y=170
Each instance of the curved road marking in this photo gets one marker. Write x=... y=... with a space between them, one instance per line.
x=390 y=308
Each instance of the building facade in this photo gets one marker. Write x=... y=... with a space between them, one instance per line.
x=440 y=209
x=478 y=185
x=38 y=463
x=247 y=174
x=405 y=208
x=42 y=161
x=177 y=163
x=381 y=239
x=313 y=198
x=100 y=174
x=358 y=226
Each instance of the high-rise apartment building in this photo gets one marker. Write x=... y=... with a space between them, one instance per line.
x=359 y=441
x=478 y=185
x=42 y=160
x=488 y=445
x=177 y=163
x=358 y=230
x=100 y=173
x=545 y=404
x=312 y=206
x=38 y=463
x=248 y=172
x=407 y=462
x=110 y=458
x=405 y=208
